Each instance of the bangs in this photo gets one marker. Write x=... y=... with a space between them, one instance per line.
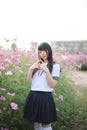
x=42 y=48
x=46 y=47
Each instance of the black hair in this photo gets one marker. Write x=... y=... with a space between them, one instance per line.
x=46 y=47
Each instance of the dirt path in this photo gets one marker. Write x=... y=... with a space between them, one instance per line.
x=79 y=80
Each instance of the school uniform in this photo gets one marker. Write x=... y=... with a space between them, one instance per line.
x=40 y=106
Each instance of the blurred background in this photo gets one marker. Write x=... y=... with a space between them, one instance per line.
x=23 y=25
x=24 y=21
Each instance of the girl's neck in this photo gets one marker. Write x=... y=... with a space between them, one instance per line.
x=46 y=61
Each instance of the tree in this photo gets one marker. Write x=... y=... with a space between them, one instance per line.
x=14 y=46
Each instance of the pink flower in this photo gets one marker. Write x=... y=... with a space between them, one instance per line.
x=11 y=94
x=1 y=53
x=61 y=97
x=68 y=62
x=80 y=77
x=9 y=73
x=2 y=98
x=14 y=106
x=18 y=69
x=3 y=89
x=67 y=53
x=2 y=67
x=33 y=43
x=63 y=48
x=8 y=61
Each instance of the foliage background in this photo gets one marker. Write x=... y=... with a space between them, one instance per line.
x=70 y=100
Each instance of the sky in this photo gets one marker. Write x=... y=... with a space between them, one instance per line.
x=42 y=20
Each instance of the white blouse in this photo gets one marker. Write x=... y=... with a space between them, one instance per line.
x=39 y=81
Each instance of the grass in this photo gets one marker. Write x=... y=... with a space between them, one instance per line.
x=70 y=96
x=80 y=86
x=78 y=77
x=66 y=107
x=71 y=105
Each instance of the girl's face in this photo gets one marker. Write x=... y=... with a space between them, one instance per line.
x=43 y=55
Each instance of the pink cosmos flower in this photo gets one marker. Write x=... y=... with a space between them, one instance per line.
x=3 y=89
x=61 y=97
x=2 y=67
x=9 y=73
x=33 y=43
x=80 y=77
x=8 y=61
x=67 y=53
x=2 y=98
x=14 y=106
x=63 y=48
x=1 y=53
x=18 y=69
x=11 y=94
x=68 y=62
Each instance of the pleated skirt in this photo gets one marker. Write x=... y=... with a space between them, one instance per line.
x=40 y=107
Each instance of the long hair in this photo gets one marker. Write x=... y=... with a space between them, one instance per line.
x=46 y=47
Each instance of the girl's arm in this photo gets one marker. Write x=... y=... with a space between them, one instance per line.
x=30 y=72
x=29 y=76
x=51 y=82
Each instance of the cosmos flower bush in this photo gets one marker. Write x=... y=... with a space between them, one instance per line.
x=13 y=70
x=14 y=88
x=76 y=61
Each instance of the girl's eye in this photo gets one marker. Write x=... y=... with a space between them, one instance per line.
x=39 y=52
x=42 y=52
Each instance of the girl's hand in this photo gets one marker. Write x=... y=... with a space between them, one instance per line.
x=43 y=67
x=35 y=66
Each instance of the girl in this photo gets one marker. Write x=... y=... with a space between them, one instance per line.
x=42 y=76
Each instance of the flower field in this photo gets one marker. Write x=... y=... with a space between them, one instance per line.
x=14 y=65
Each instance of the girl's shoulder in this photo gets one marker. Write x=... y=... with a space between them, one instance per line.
x=57 y=65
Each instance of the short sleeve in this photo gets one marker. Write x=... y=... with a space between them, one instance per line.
x=56 y=71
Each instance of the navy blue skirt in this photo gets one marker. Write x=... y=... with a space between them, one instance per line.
x=40 y=107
